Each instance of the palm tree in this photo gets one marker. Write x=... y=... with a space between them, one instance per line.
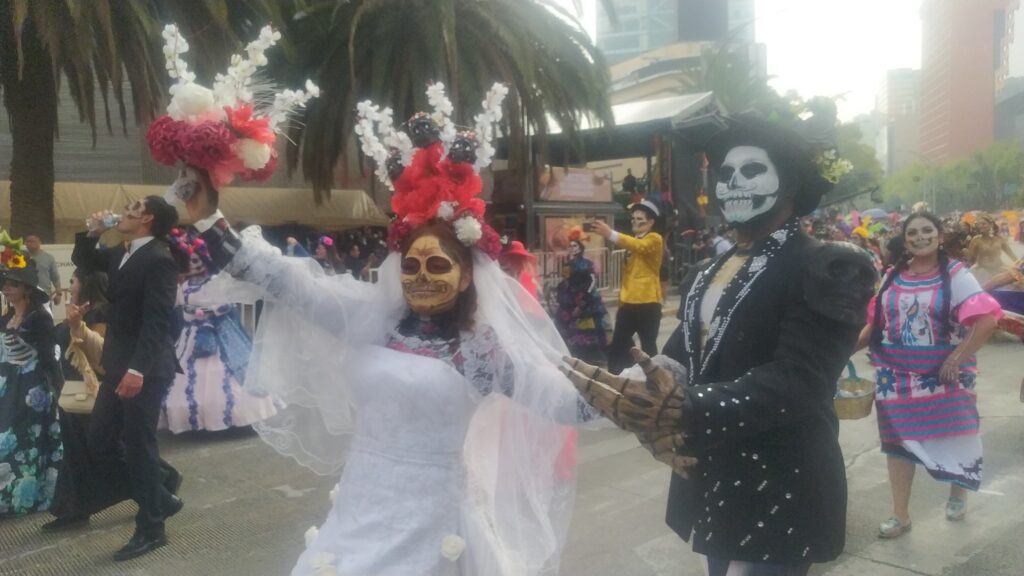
x=94 y=46
x=389 y=50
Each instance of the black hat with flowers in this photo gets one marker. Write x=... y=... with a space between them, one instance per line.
x=16 y=265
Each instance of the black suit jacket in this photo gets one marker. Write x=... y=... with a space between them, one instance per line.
x=770 y=484
x=140 y=329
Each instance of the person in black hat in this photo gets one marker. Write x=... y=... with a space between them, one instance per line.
x=766 y=330
x=30 y=447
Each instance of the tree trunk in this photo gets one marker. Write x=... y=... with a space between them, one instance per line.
x=30 y=95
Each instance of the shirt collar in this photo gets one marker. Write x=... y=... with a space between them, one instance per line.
x=138 y=243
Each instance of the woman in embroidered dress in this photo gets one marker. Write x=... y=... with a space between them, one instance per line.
x=581 y=312
x=926 y=323
x=213 y=351
x=30 y=447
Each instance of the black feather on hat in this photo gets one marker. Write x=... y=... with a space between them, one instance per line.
x=795 y=150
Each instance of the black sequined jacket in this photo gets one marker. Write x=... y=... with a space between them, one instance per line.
x=770 y=485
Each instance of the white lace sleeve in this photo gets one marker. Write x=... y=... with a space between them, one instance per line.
x=341 y=305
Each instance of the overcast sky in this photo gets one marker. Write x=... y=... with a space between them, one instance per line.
x=831 y=47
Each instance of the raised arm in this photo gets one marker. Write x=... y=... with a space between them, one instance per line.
x=88 y=256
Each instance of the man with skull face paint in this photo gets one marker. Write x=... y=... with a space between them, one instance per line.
x=766 y=330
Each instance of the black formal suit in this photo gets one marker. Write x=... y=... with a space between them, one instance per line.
x=141 y=337
x=770 y=485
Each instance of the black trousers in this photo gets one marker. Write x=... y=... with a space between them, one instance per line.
x=122 y=443
x=720 y=567
x=640 y=319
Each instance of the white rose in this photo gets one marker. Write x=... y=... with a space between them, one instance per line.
x=190 y=101
x=311 y=535
x=254 y=155
x=468 y=230
x=452 y=546
x=323 y=564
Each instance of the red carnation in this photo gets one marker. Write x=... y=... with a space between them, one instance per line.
x=245 y=126
x=489 y=242
x=207 y=144
x=164 y=138
x=397 y=232
x=263 y=173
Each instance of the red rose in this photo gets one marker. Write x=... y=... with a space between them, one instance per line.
x=397 y=232
x=164 y=138
x=207 y=144
x=489 y=242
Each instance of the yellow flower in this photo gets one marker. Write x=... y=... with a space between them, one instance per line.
x=17 y=261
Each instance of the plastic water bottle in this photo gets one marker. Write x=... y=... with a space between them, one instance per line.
x=106 y=223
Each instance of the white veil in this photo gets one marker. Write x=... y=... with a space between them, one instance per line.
x=307 y=354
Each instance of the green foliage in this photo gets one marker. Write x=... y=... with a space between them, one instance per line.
x=989 y=179
x=866 y=173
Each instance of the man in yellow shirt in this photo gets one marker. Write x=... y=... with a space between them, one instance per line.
x=640 y=297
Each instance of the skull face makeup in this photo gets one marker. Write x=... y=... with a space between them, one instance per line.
x=187 y=183
x=575 y=249
x=921 y=237
x=748 y=184
x=431 y=280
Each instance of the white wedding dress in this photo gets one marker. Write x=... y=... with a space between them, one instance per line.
x=448 y=444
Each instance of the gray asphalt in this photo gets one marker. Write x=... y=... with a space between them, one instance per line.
x=247 y=508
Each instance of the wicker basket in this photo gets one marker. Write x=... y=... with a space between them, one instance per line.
x=858 y=398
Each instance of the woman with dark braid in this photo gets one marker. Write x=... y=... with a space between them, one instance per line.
x=929 y=318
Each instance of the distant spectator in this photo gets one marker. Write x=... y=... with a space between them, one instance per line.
x=293 y=248
x=49 y=276
x=353 y=263
x=327 y=255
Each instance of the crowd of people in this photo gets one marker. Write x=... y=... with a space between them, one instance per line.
x=446 y=398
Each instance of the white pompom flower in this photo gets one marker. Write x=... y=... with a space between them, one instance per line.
x=191 y=102
x=310 y=535
x=446 y=211
x=468 y=230
x=254 y=155
x=452 y=547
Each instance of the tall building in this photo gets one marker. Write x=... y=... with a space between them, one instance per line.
x=1010 y=78
x=961 y=47
x=897 y=143
x=645 y=25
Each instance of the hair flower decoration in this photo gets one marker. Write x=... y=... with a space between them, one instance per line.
x=433 y=167
x=230 y=129
x=830 y=166
x=12 y=251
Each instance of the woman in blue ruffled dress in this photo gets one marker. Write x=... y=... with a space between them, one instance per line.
x=213 y=351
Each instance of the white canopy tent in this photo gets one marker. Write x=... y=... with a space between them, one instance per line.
x=74 y=201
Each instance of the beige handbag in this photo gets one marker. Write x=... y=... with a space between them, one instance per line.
x=76 y=397
x=79 y=396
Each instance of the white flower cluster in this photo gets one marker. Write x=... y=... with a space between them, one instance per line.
x=235 y=85
x=446 y=210
x=288 y=101
x=485 y=123
x=369 y=114
x=468 y=230
x=323 y=563
x=443 y=109
x=393 y=138
x=174 y=46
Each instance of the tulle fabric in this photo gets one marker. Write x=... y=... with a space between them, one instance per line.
x=310 y=335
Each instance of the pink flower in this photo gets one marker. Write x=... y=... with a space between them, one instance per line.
x=164 y=138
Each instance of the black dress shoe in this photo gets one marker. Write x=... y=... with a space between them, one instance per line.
x=139 y=544
x=65 y=523
x=172 y=506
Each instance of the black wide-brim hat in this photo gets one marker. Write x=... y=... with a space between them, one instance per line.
x=793 y=153
x=27 y=276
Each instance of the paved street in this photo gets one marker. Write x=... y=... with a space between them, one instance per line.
x=247 y=508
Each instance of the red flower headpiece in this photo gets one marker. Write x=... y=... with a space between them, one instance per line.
x=439 y=180
x=218 y=129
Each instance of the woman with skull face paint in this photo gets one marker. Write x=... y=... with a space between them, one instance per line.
x=581 y=312
x=640 y=297
x=924 y=327
x=436 y=389
x=213 y=352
